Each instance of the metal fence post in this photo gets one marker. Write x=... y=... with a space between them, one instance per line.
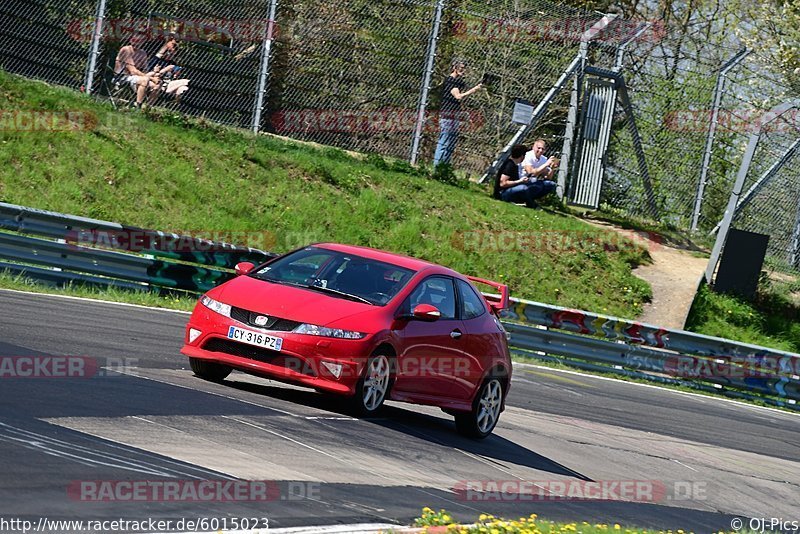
x=722 y=236
x=426 y=81
x=719 y=87
x=569 y=132
x=94 y=48
x=573 y=108
x=620 y=57
x=733 y=201
x=263 y=76
x=572 y=114
x=794 y=252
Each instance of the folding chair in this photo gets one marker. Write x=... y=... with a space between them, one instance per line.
x=116 y=87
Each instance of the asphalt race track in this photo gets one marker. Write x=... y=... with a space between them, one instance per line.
x=141 y=417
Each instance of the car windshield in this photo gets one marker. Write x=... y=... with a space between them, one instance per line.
x=338 y=274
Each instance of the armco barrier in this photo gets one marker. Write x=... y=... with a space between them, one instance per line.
x=580 y=338
x=190 y=264
x=645 y=350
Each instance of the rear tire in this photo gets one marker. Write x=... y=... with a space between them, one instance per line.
x=373 y=388
x=211 y=371
x=481 y=420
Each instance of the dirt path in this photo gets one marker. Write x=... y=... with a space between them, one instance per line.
x=673 y=275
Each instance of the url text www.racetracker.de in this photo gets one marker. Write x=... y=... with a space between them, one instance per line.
x=197 y=524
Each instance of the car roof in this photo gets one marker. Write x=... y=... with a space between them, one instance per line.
x=381 y=255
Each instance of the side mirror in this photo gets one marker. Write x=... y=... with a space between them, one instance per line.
x=426 y=312
x=243 y=267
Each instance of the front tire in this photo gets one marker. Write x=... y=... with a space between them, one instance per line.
x=372 y=389
x=485 y=413
x=211 y=371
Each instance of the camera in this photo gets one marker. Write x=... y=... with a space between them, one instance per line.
x=489 y=79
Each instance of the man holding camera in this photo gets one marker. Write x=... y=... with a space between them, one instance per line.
x=452 y=95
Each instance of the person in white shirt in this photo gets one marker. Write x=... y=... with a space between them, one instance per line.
x=539 y=169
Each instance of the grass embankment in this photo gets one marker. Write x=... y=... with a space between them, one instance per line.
x=160 y=171
x=771 y=320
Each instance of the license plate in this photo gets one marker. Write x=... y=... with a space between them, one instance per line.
x=255 y=338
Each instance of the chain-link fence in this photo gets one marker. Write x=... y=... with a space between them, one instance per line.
x=349 y=75
x=364 y=76
x=369 y=76
x=692 y=167
x=219 y=50
x=39 y=39
x=671 y=100
x=520 y=48
x=770 y=199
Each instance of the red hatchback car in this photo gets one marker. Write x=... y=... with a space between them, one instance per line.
x=362 y=323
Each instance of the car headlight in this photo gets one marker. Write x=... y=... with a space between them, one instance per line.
x=215 y=306
x=314 y=330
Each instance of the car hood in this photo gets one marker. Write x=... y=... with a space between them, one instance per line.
x=287 y=302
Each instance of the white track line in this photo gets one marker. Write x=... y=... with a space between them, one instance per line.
x=86 y=299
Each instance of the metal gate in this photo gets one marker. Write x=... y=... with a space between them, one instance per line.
x=596 y=118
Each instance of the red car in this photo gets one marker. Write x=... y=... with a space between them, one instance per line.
x=362 y=323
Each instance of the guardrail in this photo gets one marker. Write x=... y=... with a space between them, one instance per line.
x=189 y=264
x=578 y=338
x=653 y=353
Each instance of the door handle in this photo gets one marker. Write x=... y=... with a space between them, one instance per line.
x=455 y=334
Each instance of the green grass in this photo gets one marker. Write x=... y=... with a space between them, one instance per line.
x=165 y=172
x=771 y=320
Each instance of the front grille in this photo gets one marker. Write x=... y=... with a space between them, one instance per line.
x=273 y=323
x=259 y=354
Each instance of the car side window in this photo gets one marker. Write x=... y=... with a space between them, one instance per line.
x=472 y=305
x=437 y=291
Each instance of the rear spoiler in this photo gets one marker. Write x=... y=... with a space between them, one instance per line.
x=496 y=302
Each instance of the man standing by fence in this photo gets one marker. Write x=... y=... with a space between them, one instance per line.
x=452 y=94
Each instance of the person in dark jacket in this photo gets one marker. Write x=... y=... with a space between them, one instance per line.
x=510 y=185
x=452 y=95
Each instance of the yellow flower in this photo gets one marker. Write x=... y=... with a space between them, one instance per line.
x=617 y=527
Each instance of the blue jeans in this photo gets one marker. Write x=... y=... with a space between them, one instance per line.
x=528 y=193
x=447 y=141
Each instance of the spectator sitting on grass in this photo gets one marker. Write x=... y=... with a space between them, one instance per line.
x=539 y=169
x=509 y=186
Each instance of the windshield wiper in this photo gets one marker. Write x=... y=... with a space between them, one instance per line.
x=278 y=281
x=340 y=293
